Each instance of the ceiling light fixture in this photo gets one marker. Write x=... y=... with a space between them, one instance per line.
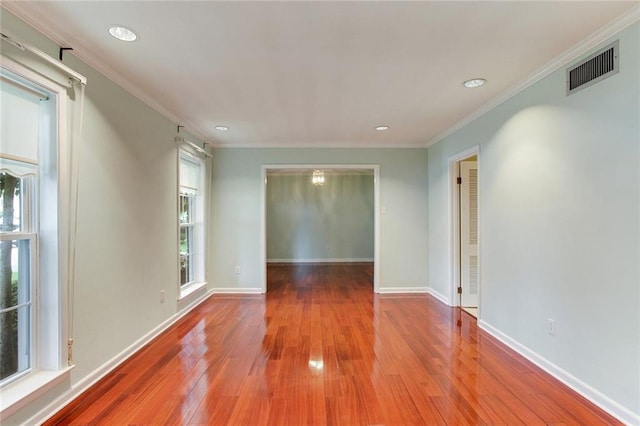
x=381 y=128
x=222 y=128
x=122 y=33
x=474 y=82
x=317 y=178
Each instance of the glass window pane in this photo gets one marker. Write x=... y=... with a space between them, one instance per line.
x=10 y=203
x=192 y=275
x=14 y=341
x=184 y=209
x=14 y=273
x=185 y=240
x=184 y=270
x=8 y=276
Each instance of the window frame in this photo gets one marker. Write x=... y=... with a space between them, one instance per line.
x=50 y=353
x=197 y=224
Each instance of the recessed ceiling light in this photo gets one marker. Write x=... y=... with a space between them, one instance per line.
x=222 y=128
x=382 y=128
x=122 y=33
x=475 y=82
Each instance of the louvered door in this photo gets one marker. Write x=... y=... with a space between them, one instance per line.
x=469 y=233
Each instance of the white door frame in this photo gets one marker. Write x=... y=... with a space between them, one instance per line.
x=454 y=226
x=376 y=213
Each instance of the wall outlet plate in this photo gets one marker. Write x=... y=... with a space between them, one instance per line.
x=551 y=326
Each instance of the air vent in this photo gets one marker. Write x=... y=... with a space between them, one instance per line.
x=595 y=68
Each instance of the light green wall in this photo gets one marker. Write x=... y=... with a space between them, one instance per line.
x=559 y=221
x=334 y=221
x=237 y=215
x=126 y=249
x=559 y=190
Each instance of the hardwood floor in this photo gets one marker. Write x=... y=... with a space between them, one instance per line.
x=320 y=348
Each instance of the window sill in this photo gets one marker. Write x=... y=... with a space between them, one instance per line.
x=190 y=289
x=29 y=388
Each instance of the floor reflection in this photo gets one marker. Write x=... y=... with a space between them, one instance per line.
x=321 y=348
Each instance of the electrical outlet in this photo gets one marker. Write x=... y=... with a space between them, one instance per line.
x=237 y=269
x=161 y=296
x=551 y=326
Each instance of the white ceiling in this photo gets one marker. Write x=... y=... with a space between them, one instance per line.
x=319 y=73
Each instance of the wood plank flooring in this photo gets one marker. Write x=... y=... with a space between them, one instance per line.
x=320 y=348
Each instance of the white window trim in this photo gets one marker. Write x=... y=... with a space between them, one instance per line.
x=198 y=286
x=193 y=287
x=49 y=367
x=29 y=388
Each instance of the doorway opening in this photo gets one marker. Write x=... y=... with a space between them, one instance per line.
x=465 y=256
x=310 y=216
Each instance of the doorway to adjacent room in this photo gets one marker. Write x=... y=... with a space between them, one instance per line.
x=315 y=214
x=465 y=265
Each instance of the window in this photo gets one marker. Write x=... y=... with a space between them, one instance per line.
x=17 y=253
x=191 y=221
x=23 y=109
x=41 y=104
x=36 y=131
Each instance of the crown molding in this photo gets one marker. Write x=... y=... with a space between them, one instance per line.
x=29 y=13
x=563 y=60
x=331 y=145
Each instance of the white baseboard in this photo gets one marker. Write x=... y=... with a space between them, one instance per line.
x=235 y=290
x=325 y=260
x=441 y=297
x=399 y=290
x=607 y=404
x=99 y=373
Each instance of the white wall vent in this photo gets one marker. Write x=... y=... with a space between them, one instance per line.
x=595 y=68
